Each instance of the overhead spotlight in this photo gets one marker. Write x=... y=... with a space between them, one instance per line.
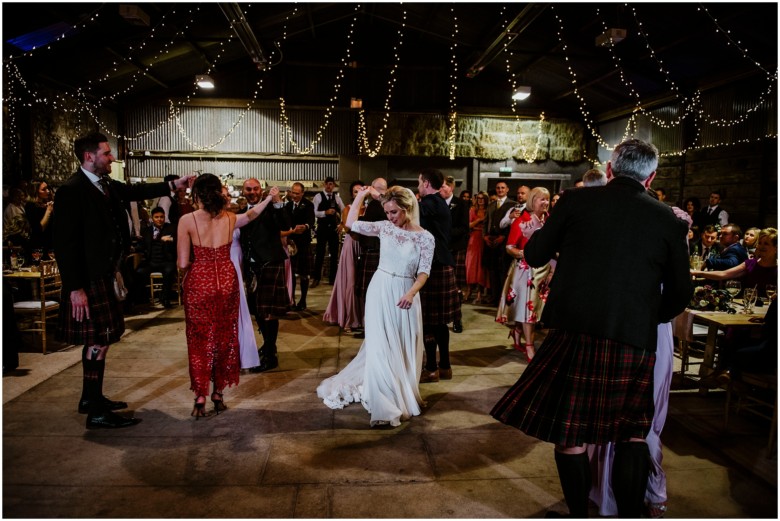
x=204 y=81
x=521 y=92
x=356 y=103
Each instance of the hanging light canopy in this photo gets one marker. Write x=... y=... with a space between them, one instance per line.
x=204 y=81
x=521 y=92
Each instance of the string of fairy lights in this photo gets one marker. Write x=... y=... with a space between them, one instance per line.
x=689 y=107
x=19 y=93
x=319 y=135
x=363 y=144
x=453 y=115
x=524 y=154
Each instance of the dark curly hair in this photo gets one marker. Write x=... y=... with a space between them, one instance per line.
x=207 y=189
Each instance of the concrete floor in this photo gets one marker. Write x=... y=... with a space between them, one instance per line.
x=278 y=452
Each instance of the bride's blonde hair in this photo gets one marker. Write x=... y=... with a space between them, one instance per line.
x=406 y=201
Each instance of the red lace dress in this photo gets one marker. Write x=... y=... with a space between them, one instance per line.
x=211 y=297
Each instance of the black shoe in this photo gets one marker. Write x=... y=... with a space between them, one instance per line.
x=314 y=283
x=266 y=364
x=457 y=327
x=361 y=334
x=108 y=405
x=109 y=420
x=301 y=306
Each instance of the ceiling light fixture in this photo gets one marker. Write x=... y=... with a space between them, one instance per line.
x=204 y=81
x=356 y=103
x=521 y=92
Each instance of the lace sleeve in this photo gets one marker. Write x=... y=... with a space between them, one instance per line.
x=427 y=244
x=371 y=229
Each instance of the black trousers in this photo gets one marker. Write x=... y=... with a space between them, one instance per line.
x=329 y=238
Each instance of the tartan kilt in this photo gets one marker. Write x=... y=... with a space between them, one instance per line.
x=367 y=266
x=271 y=295
x=582 y=389
x=439 y=296
x=301 y=262
x=460 y=268
x=105 y=313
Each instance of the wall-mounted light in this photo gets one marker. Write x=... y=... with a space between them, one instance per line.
x=356 y=103
x=521 y=92
x=204 y=81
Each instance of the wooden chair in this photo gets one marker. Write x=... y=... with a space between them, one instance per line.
x=155 y=284
x=38 y=312
x=756 y=394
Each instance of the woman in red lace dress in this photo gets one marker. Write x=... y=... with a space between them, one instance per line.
x=211 y=292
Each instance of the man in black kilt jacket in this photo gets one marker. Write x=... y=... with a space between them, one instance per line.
x=266 y=283
x=439 y=296
x=622 y=269
x=91 y=234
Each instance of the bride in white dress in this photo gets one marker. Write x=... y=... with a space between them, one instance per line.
x=385 y=373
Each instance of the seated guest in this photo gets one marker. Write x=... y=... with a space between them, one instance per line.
x=750 y=240
x=594 y=177
x=39 y=212
x=16 y=227
x=707 y=245
x=756 y=272
x=732 y=253
x=159 y=248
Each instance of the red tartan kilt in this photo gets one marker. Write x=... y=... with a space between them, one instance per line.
x=106 y=323
x=460 y=268
x=439 y=296
x=562 y=399
x=272 y=296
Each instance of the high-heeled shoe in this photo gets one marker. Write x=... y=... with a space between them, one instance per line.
x=200 y=408
x=515 y=335
x=478 y=299
x=530 y=352
x=219 y=404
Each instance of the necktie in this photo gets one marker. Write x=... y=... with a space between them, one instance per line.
x=295 y=206
x=706 y=253
x=104 y=184
x=330 y=197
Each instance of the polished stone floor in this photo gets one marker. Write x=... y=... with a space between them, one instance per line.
x=279 y=453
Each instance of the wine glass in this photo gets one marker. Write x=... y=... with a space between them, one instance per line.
x=771 y=291
x=748 y=299
x=733 y=287
x=18 y=261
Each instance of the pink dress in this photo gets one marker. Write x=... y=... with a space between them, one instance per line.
x=343 y=308
x=475 y=271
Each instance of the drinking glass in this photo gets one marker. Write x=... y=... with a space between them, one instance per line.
x=748 y=299
x=18 y=261
x=771 y=291
x=733 y=287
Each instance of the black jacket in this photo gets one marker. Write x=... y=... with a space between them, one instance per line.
x=617 y=248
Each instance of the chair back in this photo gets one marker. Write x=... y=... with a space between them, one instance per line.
x=51 y=282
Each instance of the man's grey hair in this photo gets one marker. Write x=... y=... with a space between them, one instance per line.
x=634 y=158
x=379 y=184
x=594 y=177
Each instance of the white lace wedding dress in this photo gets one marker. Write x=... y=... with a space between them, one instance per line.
x=385 y=374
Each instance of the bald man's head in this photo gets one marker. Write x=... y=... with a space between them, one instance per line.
x=379 y=184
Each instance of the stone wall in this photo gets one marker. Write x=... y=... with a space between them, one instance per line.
x=481 y=138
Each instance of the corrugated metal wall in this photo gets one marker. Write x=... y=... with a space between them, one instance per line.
x=221 y=134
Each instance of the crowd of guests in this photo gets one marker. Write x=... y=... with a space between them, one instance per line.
x=401 y=264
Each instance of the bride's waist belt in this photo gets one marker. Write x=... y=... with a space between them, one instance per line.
x=396 y=274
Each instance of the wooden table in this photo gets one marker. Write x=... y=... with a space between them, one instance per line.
x=715 y=321
x=33 y=277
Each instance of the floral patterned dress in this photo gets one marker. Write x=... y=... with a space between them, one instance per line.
x=211 y=299
x=525 y=290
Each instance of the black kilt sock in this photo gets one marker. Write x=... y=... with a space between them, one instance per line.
x=630 y=471
x=91 y=390
x=574 y=473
